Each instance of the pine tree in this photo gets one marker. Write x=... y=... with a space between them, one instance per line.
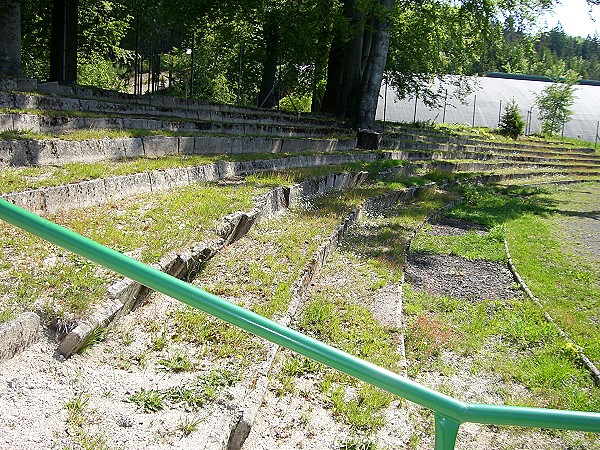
x=511 y=123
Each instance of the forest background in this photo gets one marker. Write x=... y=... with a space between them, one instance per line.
x=321 y=55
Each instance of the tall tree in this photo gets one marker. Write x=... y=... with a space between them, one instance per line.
x=356 y=61
x=10 y=44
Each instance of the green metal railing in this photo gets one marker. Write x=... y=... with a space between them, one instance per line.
x=449 y=412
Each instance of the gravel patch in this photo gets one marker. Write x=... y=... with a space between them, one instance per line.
x=36 y=385
x=448 y=275
x=449 y=226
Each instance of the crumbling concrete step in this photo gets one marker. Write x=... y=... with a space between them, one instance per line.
x=425 y=136
x=100 y=191
x=179 y=109
x=52 y=123
x=59 y=151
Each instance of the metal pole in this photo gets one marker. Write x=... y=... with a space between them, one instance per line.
x=64 y=53
x=239 y=89
x=500 y=113
x=385 y=101
x=192 y=70
x=530 y=119
x=149 y=71
x=474 y=106
x=445 y=104
x=562 y=133
x=415 y=112
x=597 y=126
x=136 y=89
x=279 y=88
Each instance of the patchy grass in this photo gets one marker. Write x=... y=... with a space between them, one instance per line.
x=370 y=258
x=148 y=226
x=513 y=337
x=79 y=417
x=564 y=281
x=509 y=337
x=472 y=245
x=190 y=396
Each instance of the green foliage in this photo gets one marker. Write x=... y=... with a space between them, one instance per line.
x=191 y=395
x=99 y=72
x=554 y=104
x=147 y=401
x=98 y=335
x=512 y=123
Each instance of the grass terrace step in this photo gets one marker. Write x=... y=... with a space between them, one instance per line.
x=52 y=89
x=145 y=226
x=459 y=154
x=100 y=145
x=483 y=136
x=429 y=146
x=160 y=354
x=330 y=410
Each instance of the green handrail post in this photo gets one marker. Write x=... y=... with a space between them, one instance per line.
x=446 y=431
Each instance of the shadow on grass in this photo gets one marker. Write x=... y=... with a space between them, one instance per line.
x=495 y=205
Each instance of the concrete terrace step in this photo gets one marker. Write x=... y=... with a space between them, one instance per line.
x=433 y=136
x=156 y=106
x=60 y=151
x=393 y=144
x=477 y=166
x=456 y=154
x=47 y=121
x=103 y=190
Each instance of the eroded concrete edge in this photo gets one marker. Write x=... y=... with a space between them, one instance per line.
x=254 y=399
x=103 y=190
x=18 y=334
x=125 y=294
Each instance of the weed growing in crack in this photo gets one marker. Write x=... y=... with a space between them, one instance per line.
x=191 y=396
x=188 y=425
x=78 y=417
x=358 y=445
x=76 y=408
x=98 y=335
x=177 y=362
x=147 y=400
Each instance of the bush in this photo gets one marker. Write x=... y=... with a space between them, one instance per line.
x=511 y=123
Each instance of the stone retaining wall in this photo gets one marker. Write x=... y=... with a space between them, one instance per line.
x=43 y=123
x=158 y=106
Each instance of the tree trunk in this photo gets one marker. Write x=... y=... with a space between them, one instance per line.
x=10 y=43
x=267 y=97
x=349 y=88
x=371 y=81
x=335 y=71
x=63 y=41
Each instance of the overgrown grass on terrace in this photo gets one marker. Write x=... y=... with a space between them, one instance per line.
x=512 y=336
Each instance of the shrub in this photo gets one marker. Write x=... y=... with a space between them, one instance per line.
x=511 y=123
